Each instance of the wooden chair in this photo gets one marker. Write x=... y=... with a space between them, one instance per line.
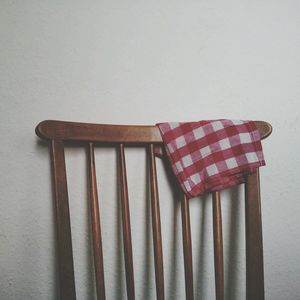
x=57 y=132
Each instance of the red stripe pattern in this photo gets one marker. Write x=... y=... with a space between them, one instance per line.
x=212 y=155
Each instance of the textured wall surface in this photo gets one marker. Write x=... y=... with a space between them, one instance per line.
x=140 y=62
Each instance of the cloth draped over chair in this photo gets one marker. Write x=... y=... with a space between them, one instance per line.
x=212 y=155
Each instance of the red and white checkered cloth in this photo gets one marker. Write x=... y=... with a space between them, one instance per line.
x=208 y=156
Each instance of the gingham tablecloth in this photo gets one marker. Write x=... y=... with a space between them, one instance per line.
x=212 y=155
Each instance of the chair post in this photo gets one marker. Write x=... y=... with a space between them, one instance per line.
x=254 y=246
x=64 y=240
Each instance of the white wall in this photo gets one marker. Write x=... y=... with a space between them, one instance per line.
x=141 y=62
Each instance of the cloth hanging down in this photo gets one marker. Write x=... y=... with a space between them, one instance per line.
x=211 y=155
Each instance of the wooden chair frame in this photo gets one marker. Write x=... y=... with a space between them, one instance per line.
x=56 y=132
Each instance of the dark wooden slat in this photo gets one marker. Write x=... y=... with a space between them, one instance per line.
x=104 y=133
x=187 y=248
x=96 y=228
x=126 y=225
x=254 y=242
x=64 y=240
x=156 y=227
x=218 y=246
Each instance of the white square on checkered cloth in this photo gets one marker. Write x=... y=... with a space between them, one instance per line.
x=187 y=160
x=187 y=186
x=224 y=144
x=205 y=151
x=198 y=133
x=217 y=125
x=251 y=157
x=180 y=142
x=231 y=163
x=212 y=169
x=170 y=148
x=178 y=166
x=237 y=122
x=196 y=178
x=245 y=138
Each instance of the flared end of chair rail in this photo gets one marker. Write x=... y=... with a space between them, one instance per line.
x=105 y=133
x=39 y=130
x=265 y=128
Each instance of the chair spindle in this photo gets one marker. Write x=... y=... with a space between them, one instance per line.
x=156 y=227
x=64 y=239
x=126 y=225
x=187 y=248
x=96 y=227
x=218 y=246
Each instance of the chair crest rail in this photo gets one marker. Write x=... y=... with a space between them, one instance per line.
x=104 y=133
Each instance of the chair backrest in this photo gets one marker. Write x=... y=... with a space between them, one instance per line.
x=57 y=132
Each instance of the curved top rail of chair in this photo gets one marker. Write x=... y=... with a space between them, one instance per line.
x=134 y=134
